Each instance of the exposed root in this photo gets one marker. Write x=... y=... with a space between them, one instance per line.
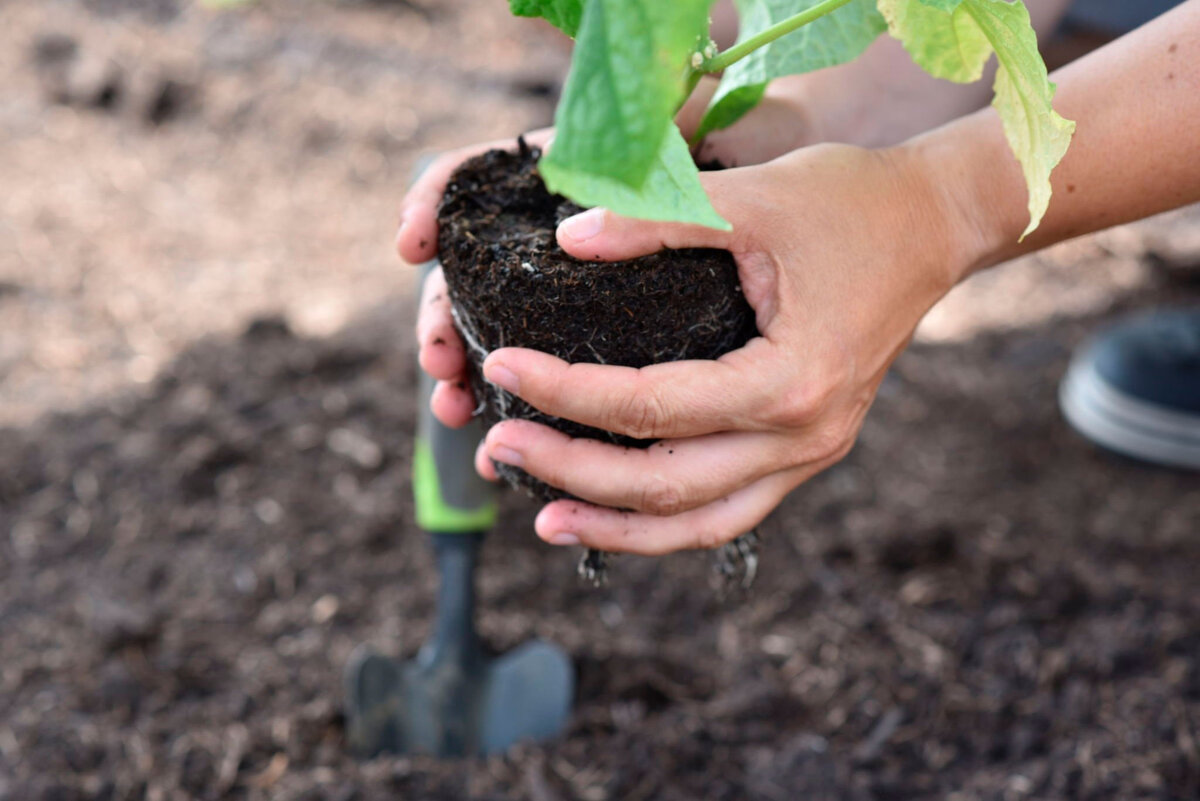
x=737 y=561
x=593 y=567
x=466 y=329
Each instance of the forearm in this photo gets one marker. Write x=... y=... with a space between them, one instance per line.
x=1136 y=150
x=883 y=98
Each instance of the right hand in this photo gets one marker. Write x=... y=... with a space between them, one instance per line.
x=840 y=251
x=776 y=126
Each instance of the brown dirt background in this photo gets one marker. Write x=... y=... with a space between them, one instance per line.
x=206 y=381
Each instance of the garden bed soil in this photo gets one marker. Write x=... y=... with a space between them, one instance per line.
x=975 y=602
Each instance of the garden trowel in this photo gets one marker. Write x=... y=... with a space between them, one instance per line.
x=454 y=698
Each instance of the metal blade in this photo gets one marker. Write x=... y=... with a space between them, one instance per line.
x=527 y=697
x=446 y=708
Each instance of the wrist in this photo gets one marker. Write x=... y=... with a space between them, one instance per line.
x=977 y=188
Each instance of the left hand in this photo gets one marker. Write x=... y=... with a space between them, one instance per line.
x=840 y=252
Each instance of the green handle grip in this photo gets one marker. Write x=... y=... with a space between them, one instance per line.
x=450 y=497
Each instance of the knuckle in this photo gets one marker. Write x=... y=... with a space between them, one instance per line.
x=663 y=497
x=800 y=406
x=809 y=400
x=555 y=389
x=824 y=445
x=642 y=415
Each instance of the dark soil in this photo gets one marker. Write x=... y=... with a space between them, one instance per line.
x=513 y=286
x=976 y=602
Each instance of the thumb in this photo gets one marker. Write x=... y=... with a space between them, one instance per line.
x=599 y=235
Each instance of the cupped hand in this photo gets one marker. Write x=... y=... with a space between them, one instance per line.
x=840 y=252
x=440 y=349
x=776 y=126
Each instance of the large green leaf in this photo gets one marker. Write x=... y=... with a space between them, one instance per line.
x=946 y=44
x=671 y=192
x=944 y=5
x=729 y=106
x=1037 y=134
x=562 y=14
x=956 y=43
x=833 y=39
x=625 y=83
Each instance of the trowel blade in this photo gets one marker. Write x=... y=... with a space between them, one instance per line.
x=446 y=709
x=527 y=697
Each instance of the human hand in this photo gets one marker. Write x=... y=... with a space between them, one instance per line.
x=778 y=125
x=440 y=349
x=840 y=252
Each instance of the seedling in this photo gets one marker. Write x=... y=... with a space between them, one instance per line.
x=636 y=62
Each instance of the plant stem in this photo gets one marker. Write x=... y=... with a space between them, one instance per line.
x=743 y=49
x=689 y=85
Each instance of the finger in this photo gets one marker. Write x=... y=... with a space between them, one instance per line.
x=441 y=352
x=709 y=526
x=739 y=391
x=483 y=464
x=452 y=403
x=416 y=240
x=670 y=477
x=599 y=235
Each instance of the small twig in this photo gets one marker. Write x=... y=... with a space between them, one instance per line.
x=597 y=356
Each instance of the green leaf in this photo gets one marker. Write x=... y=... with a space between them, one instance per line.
x=955 y=44
x=944 y=5
x=562 y=14
x=1039 y=137
x=830 y=40
x=729 y=109
x=946 y=44
x=626 y=80
x=671 y=193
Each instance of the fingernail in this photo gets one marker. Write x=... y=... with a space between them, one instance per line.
x=563 y=538
x=502 y=377
x=503 y=453
x=582 y=227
